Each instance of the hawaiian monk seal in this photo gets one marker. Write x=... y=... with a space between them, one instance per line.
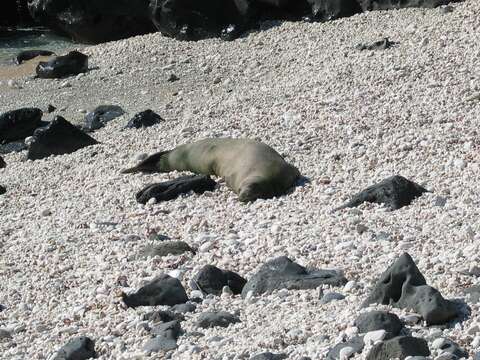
x=250 y=168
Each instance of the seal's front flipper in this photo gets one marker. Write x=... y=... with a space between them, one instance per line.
x=150 y=165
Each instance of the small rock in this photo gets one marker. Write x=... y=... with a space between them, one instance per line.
x=399 y=347
x=163 y=290
x=46 y=212
x=2 y=163
x=283 y=273
x=213 y=319
x=373 y=337
x=217 y=80
x=394 y=192
x=379 y=320
x=377 y=45
x=211 y=280
x=440 y=201
x=58 y=138
x=5 y=335
x=172 y=77
x=81 y=348
x=101 y=115
x=165 y=248
x=184 y=308
x=144 y=119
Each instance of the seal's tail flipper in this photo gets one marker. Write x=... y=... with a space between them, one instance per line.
x=149 y=165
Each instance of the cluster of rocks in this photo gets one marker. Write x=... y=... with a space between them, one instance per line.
x=380 y=335
x=94 y=21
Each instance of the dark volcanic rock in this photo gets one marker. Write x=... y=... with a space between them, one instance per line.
x=165 y=339
x=402 y=285
x=81 y=348
x=30 y=54
x=355 y=343
x=93 y=21
x=326 y=10
x=71 y=64
x=19 y=124
x=399 y=348
x=383 y=44
x=283 y=273
x=172 y=189
x=2 y=163
x=211 y=280
x=2 y=190
x=213 y=319
x=395 y=192
x=194 y=20
x=166 y=248
x=269 y=356
x=377 y=320
x=163 y=316
x=163 y=290
x=451 y=347
x=102 y=114
x=145 y=118
x=368 y=5
x=58 y=138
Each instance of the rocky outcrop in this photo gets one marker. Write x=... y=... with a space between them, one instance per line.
x=93 y=21
x=14 y=12
x=369 y=5
x=403 y=286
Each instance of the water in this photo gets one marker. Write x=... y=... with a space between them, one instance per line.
x=12 y=41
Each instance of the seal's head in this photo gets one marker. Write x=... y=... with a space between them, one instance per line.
x=255 y=188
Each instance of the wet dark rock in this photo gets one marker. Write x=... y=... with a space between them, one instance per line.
x=101 y=115
x=378 y=320
x=216 y=319
x=195 y=20
x=211 y=280
x=184 y=308
x=172 y=189
x=58 y=138
x=2 y=163
x=163 y=316
x=30 y=54
x=71 y=64
x=331 y=296
x=283 y=273
x=399 y=347
x=474 y=294
x=451 y=347
x=19 y=124
x=80 y=348
x=166 y=248
x=165 y=339
x=394 y=192
x=269 y=356
x=403 y=286
x=383 y=44
x=3 y=190
x=163 y=290
x=144 y=119
x=369 y=5
x=14 y=13
x=93 y=21
x=355 y=343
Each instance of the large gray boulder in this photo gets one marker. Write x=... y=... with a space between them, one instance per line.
x=403 y=286
x=283 y=273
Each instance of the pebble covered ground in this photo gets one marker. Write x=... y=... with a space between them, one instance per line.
x=71 y=228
